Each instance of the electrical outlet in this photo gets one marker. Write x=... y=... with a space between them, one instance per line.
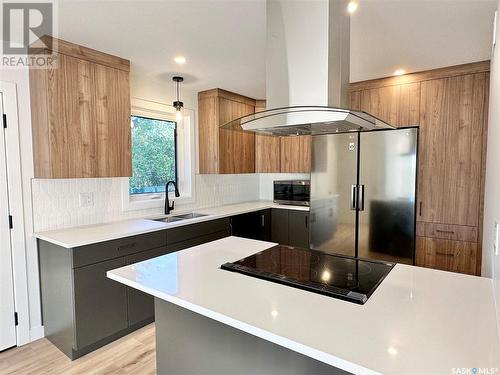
x=86 y=199
x=495 y=239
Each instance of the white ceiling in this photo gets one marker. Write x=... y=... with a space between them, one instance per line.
x=224 y=40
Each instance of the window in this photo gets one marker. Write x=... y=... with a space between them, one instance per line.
x=154 y=155
x=162 y=150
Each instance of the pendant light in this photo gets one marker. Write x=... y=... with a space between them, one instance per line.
x=178 y=105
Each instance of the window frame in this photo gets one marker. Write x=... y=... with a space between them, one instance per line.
x=185 y=157
x=176 y=156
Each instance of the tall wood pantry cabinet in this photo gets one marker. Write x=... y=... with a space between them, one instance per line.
x=80 y=114
x=450 y=106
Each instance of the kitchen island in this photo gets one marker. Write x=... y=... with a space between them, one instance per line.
x=418 y=321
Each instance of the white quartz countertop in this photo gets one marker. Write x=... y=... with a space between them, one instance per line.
x=89 y=234
x=418 y=321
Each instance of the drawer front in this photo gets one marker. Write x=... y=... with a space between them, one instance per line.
x=85 y=255
x=188 y=232
x=447 y=255
x=447 y=231
x=198 y=240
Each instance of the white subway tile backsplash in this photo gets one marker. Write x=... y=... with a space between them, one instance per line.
x=56 y=203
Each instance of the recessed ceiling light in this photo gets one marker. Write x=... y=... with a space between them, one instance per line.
x=352 y=6
x=399 y=72
x=180 y=60
x=392 y=350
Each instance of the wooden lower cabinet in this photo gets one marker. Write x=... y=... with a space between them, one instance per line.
x=447 y=255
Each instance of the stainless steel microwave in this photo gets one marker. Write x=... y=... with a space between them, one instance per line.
x=293 y=192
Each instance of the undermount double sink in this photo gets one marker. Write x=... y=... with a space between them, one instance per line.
x=174 y=218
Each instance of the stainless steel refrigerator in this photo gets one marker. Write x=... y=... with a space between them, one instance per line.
x=363 y=187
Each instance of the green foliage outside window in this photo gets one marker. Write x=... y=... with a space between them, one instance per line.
x=153 y=154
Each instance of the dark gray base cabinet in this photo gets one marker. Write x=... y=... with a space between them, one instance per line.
x=82 y=309
x=100 y=303
x=290 y=227
x=254 y=225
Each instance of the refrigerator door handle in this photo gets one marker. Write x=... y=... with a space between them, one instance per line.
x=361 y=197
x=354 y=197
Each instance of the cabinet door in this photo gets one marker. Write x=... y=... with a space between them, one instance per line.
x=296 y=154
x=141 y=305
x=267 y=148
x=236 y=148
x=100 y=303
x=112 y=103
x=267 y=154
x=254 y=225
x=447 y=255
x=208 y=135
x=279 y=226
x=452 y=120
x=298 y=228
x=71 y=150
x=397 y=105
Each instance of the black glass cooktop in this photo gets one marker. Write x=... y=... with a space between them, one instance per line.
x=337 y=276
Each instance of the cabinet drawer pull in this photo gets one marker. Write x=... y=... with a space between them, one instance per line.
x=444 y=254
x=445 y=231
x=127 y=246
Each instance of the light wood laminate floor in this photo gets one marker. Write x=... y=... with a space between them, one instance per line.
x=132 y=354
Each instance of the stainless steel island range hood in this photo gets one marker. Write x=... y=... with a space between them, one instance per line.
x=307 y=72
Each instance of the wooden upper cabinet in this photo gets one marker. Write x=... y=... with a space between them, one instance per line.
x=452 y=122
x=223 y=150
x=80 y=113
x=113 y=153
x=398 y=105
x=296 y=154
x=275 y=154
x=267 y=148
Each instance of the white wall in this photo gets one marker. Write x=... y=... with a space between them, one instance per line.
x=418 y=35
x=490 y=261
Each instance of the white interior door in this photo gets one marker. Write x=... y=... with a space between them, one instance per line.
x=7 y=307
